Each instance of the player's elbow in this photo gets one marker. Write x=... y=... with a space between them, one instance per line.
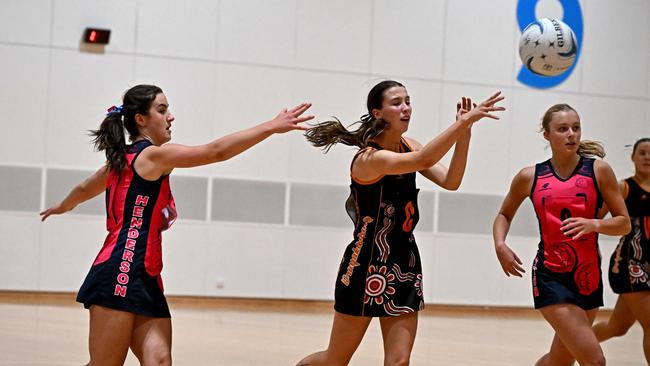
x=220 y=156
x=217 y=154
x=502 y=217
x=624 y=225
x=451 y=186
x=428 y=162
x=423 y=161
x=627 y=226
x=83 y=190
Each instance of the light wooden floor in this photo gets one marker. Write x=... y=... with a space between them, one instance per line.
x=51 y=329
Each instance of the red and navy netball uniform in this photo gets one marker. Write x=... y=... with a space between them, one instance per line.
x=629 y=266
x=126 y=273
x=381 y=273
x=566 y=270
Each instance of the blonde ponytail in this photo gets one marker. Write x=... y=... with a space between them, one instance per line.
x=588 y=148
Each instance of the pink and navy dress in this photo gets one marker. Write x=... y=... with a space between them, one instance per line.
x=629 y=266
x=380 y=273
x=126 y=273
x=566 y=270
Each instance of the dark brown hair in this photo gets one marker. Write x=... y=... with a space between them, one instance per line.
x=327 y=134
x=639 y=141
x=109 y=137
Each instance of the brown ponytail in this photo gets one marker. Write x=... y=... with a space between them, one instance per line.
x=109 y=137
x=329 y=133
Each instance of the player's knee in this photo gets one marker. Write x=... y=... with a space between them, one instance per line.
x=600 y=361
x=645 y=325
x=401 y=362
x=402 y=359
x=597 y=359
x=159 y=358
x=326 y=357
x=618 y=331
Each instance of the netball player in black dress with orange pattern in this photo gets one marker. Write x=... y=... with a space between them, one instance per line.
x=566 y=191
x=380 y=274
x=629 y=266
x=388 y=281
x=123 y=290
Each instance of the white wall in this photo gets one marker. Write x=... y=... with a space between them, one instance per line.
x=228 y=64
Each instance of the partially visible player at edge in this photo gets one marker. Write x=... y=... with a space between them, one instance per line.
x=629 y=265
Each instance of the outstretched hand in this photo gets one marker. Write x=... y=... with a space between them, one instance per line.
x=471 y=112
x=54 y=210
x=290 y=119
x=463 y=106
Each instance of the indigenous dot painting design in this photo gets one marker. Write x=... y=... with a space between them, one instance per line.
x=379 y=285
x=381 y=237
x=587 y=277
x=629 y=269
x=378 y=273
x=418 y=284
x=566 y=269
x=561 y=257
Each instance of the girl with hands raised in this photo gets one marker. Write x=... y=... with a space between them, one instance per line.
x=381 y=273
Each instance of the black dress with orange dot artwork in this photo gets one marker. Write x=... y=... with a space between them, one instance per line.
x=381 y=273
x=629 y=265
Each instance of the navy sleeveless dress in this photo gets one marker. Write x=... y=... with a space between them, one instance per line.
x=126 y=273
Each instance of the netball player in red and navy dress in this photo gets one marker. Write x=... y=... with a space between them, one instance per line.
x=380 y=274
x=123 y=289
x=567 y=192
x=629 y=266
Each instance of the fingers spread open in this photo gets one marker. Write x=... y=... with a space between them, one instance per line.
x=303 y=119
x=300 y=108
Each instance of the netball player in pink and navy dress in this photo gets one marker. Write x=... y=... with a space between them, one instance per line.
x=380 y=274
x=124 y=290
x=567 y=192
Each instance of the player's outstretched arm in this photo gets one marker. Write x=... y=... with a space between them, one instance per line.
x=89 y=188
x=169 y=156
x=381 y=162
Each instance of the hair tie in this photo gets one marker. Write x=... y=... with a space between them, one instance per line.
x=114 y=109
x=366 y=118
